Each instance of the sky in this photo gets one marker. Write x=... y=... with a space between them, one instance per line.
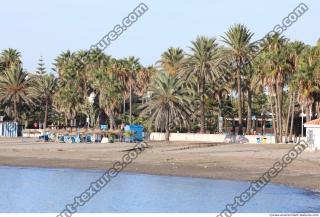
x=47 y=28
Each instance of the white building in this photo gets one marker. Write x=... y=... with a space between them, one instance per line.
x=313 y=134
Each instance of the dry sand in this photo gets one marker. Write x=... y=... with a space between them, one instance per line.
x=208 y=160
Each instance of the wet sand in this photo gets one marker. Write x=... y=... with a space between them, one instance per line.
x=207 y=160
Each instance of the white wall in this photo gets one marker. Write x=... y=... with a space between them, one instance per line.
x=32 y=133
x=197 y=137
x=315 y=136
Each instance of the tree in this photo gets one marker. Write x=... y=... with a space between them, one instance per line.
x=108 y=89
x=171 y=59
x=219 y=92
x=68 y=100
x=10 y=58
x=41 y=69
x=274 y=71
x=61 y=63
x=45 y=87
x=201 y=65
x=133 y=66
x=240 y=50
x=15 y=89
x=169 y=104
x=295 y=50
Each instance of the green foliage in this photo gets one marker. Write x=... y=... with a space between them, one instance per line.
x=187 y=91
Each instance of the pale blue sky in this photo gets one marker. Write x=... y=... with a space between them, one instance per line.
x=46 y=28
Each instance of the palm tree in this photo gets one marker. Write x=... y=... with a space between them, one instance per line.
x=143 y=80
x=169 y=104
x=68 y=100
x=61 y=63
x=15 y=88
x=10 y=57
x=45 y=87
x=307 y=79
x=201 y=65
x=240 y=50
x=295 y=50
x=219 y=91
x=248 y=86
x=171 y=59
x=274 y=71
x=109 y=90
x=132 y=66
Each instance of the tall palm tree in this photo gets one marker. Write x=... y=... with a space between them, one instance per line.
x=201 y=65
x=219 y=91
x=274 y=71
x=307 y=78
x=10 y=57
x=61 y=62
x=68 y=100
x=143 y=80
x=15 y=88
x=109 y=90
x=240 y=50
x=171 y=59
x=45 y=87
x=169 y=104
x=295 y=50
x=133 y=66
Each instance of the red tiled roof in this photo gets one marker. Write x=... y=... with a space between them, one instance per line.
x=314 y=122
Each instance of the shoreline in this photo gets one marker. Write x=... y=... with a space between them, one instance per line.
x=158 y=174
x=239 y=162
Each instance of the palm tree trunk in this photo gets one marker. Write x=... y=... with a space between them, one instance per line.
x=45 y=115
x=249 y=119
x=281 y=112
x=302 y=119
x=168 y=127
x=240 y=132
x=288 y=118
x=274 y=126
x=277 y=123
x=124 y=106
x=292 y=116
x=220 y=114
x=111 y=119
x=15 y=110
x=202 y=109
x=277 y=111
x=309 y=112
x=313 y=110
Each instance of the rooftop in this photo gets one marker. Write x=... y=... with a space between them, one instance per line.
x=314 y=122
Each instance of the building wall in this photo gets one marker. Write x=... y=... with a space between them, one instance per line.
x=197 y=137
x=313 y=137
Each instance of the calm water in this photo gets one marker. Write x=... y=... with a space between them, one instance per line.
x=48 y=190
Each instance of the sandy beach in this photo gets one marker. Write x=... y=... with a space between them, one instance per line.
x=207 y=160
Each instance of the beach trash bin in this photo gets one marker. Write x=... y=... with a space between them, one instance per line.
x=264 y=140
x=258 y=140
x=136 y=133
x=104 y=126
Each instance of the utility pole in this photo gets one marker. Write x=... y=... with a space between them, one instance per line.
x=130 y=118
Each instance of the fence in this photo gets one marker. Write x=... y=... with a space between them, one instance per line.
x=8 y=129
